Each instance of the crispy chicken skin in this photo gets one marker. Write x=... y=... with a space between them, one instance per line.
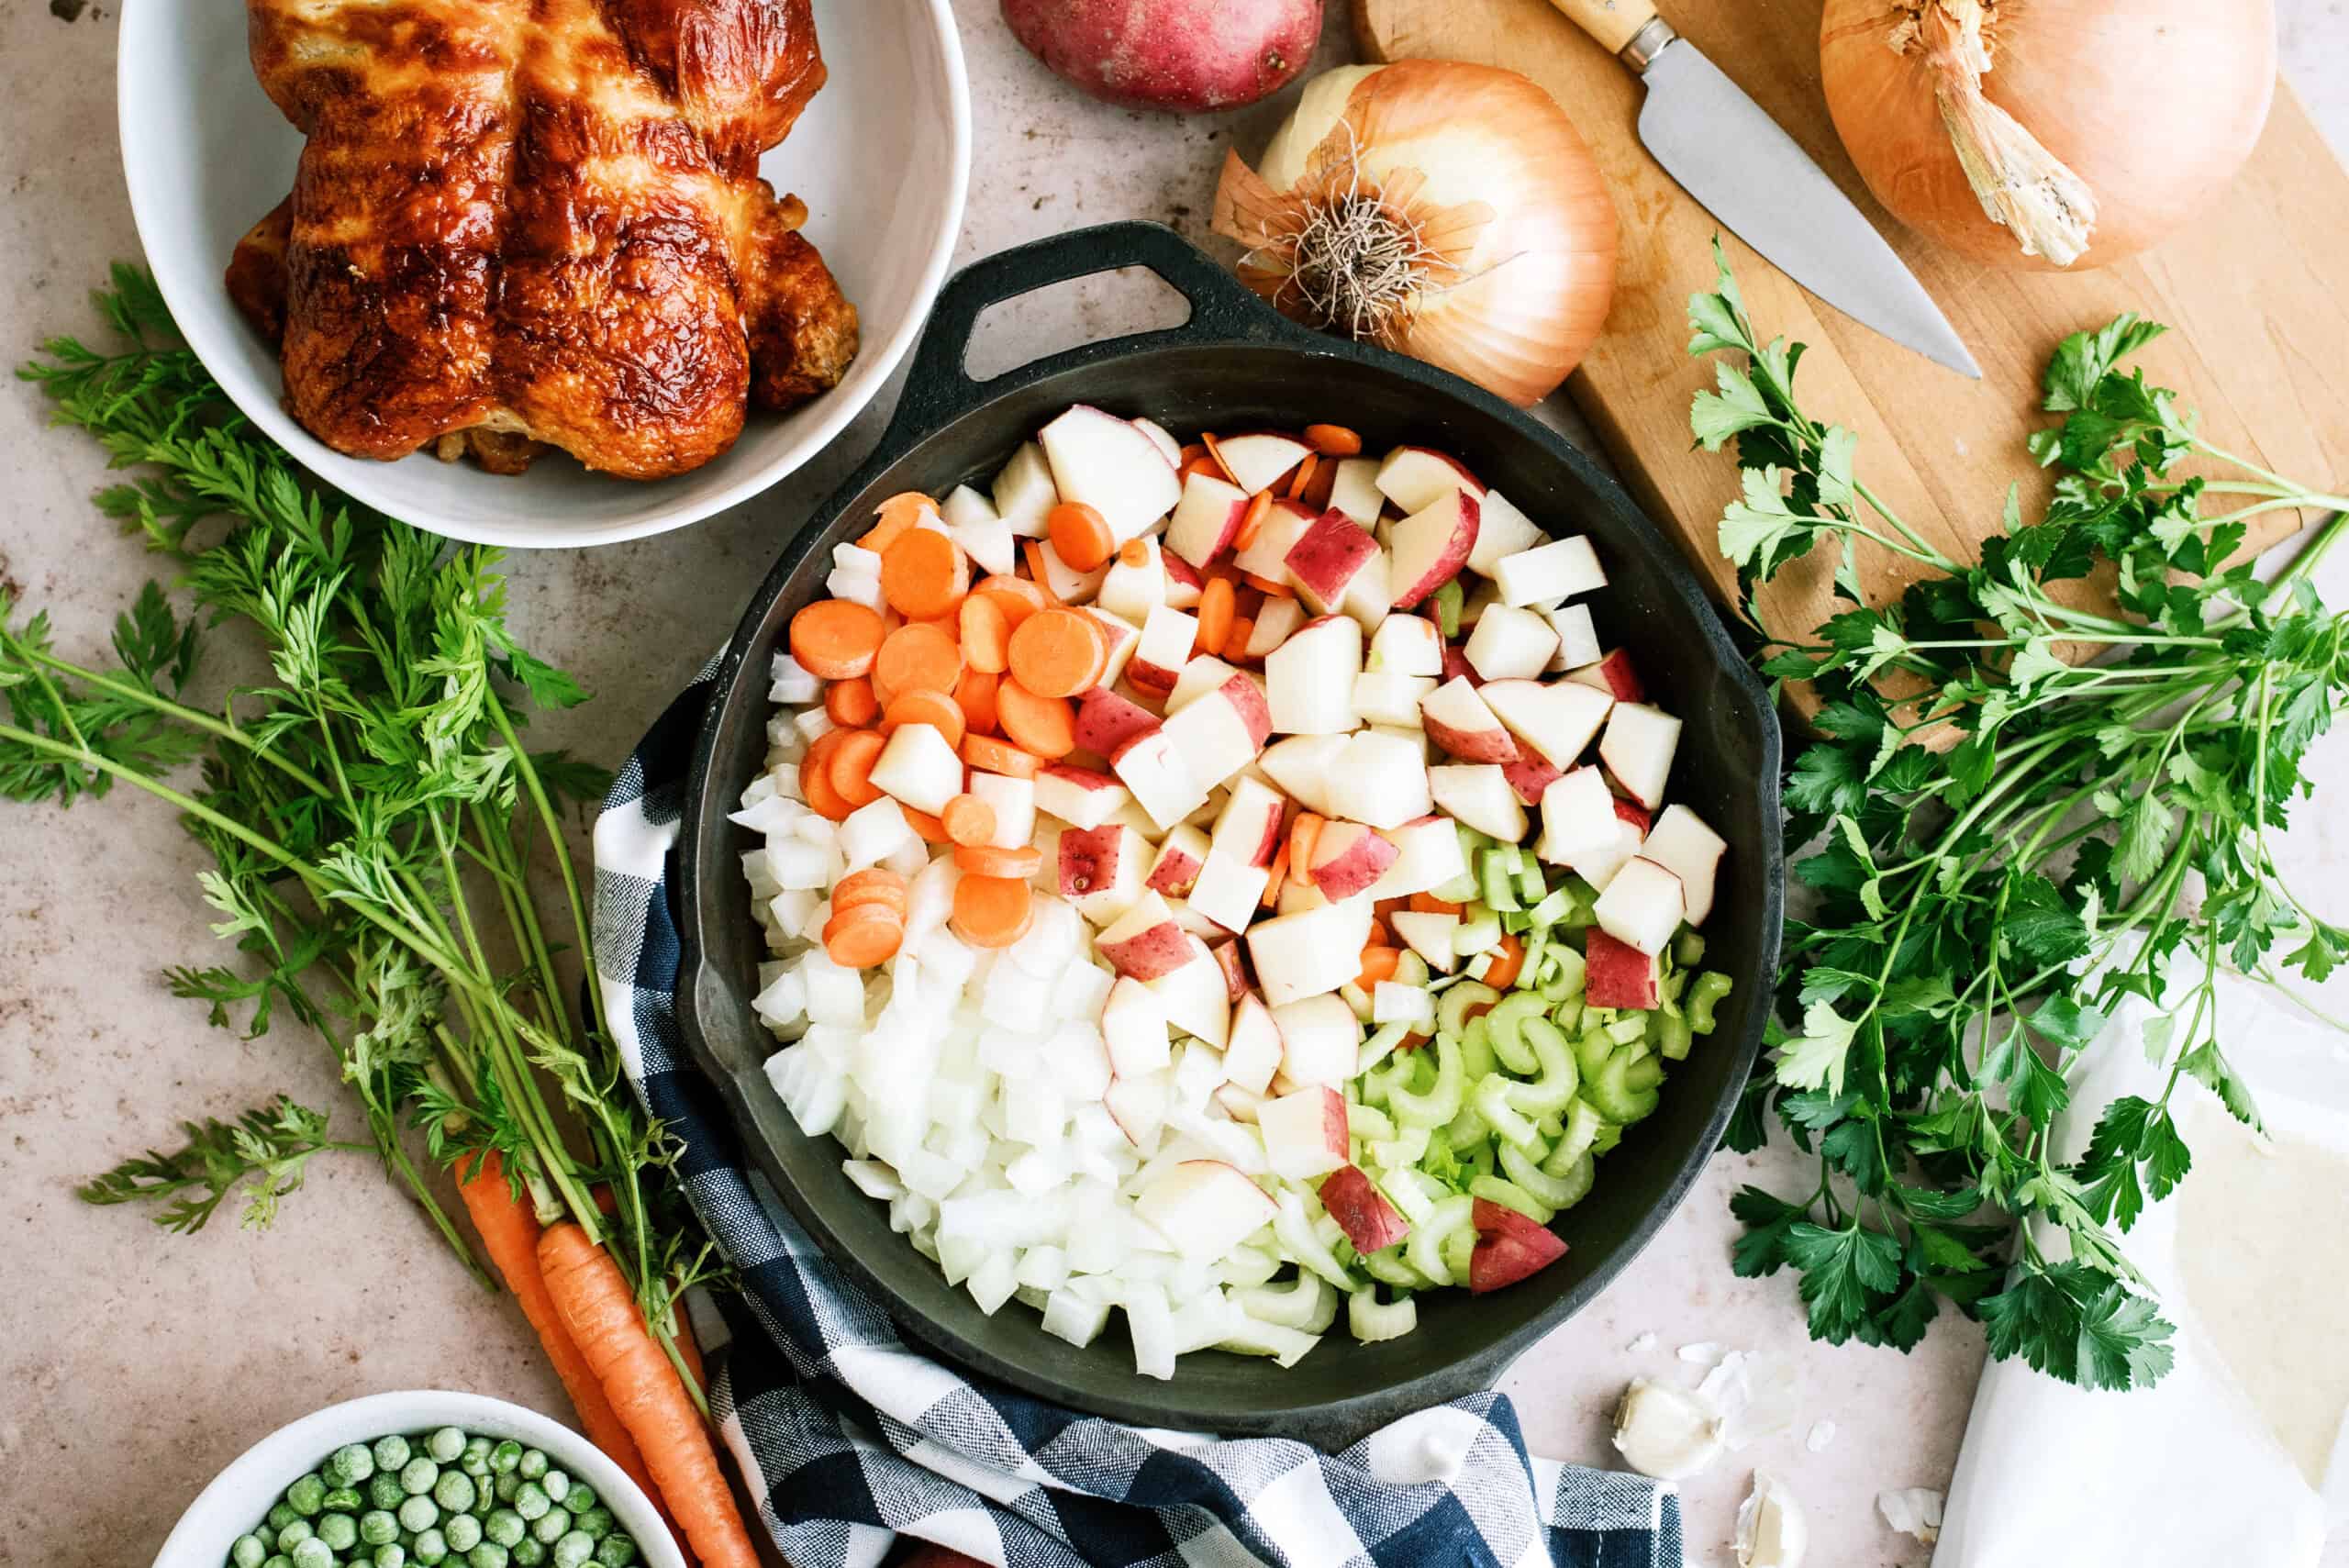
x=529 y=223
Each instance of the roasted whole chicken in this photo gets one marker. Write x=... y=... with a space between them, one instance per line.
x=522 y=224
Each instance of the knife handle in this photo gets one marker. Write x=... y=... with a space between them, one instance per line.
x=1617 y=24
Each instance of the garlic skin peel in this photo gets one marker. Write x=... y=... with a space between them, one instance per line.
x=2048 y=133
x=1772 y=1531
x=1446 y=211
x=1666 y=1432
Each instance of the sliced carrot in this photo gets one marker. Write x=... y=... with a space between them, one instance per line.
x=1055 y=653
x=1205 y=464
x=991 y=860
x=1254 y=520
x=1509 y=959
x=890 y=904
x=864 y=938
x=968 y=820
x=1045 y=725
x=923 y=575
x=1034 y=554
x=852 y=767
x=1386 y=909
x=1378 y=963
x=896 y=515
x=1333 y=441
x=914 y=658
x=816 y=778
x=975 y=694
x=985 y=633
x=1273 y=883
x=991 y=911
x=1429 y=904
x=1192 y=449
x=922 y=705
x=861 y=885
x=1267 y=587
x=1215 y=614
x=992 y=756
x=851 y=702
x=1216 y=452
x=1134 y=552
x=1303 y=477
x=931 y=830
x=835 y=639
x=1303 y=834
x=1080 y=537
x=1325 y=480
x=1021 y=597
x=1235 y=647
x=1379 y=934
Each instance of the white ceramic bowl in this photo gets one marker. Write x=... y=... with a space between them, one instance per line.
x=241 y=1495
x=881 y=158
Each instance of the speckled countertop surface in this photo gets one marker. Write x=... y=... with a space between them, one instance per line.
x=134 y=1364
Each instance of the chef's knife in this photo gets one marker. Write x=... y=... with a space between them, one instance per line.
x=1750 y=174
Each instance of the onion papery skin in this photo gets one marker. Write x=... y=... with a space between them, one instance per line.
x=1492 y=173
x=2155 y=104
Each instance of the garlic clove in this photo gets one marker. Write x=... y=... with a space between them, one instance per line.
x=1771 y=1530
x=1913 y=1511
x=1666 y=1432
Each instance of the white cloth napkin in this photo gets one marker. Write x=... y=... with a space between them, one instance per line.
x=2193 y=1471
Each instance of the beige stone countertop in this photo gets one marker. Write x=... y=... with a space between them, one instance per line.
x=134 y=1364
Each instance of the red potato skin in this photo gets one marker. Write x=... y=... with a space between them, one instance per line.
x=1184 y=57
x=1509 y=1248
x=1362 y=1211
x=1528 y=776
x=1620 y=976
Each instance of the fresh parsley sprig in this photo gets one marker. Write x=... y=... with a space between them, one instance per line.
x=2024 y=811
x=375 y=821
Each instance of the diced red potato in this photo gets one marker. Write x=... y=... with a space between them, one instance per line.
x=1370 y=1221
x=1311 y=678
x=1197 y=1002
x=1326 y=558
x=1275 y=622
x=1381 y=778
x=1106 y=721
x=973 y=523
x=1355 y=491
x=1102 y=869
x=1577 y=816
x=1297 y=896
x=1228 y=957
x=1642 y=906
x=1615 y=675
x=1685 y=844
x=1145 y=942
x=1013 y=801
x=1370 y=597
x=1309 y=952
x=1502 y=531
x=1348 y=857
x=1252 y=1051
x=1201 y=675
x=1457 y=668
x=1578 y=639
x=1078 y=797
x=1638 y=748
x=1131 y=589
x=1167 y=636
x=1301 y=765
x=1168 y=446
x=1103 y=461
x=1556 y=718
x=1509 y=1246
x=1479 y=794
x=1416 y=478
x=1547 y=573
x=1183 y=583
x=1150 y=765
x=1064 y=582
x=1122 y=637
x=1222 y=731
x=1139 y=1106
x=1228 y=890
x=1205 y=1207
x=1530 y=775
x=1429 y=548
x=1207 y=518
x=1240 y=1105
x=1617 y=974
x=1023 y=491
x=1267 y=556
x=1258 y=459
x=1510 y=644
x=1457 y=718
x=1133 y=1028
x=1320 y=1037
x=1304 y=1131
x=1384 y=697
x=1428 y=855
x=1429 y=934
x=1406 y=645
x=1176 y=869
x=1248 y=828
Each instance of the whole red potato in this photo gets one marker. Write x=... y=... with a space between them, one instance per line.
x=1187 y=56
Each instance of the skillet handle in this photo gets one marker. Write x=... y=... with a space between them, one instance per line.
x=938 y=389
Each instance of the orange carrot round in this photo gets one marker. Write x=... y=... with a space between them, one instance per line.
x=1054 y=652
x=990 y=860
x=1235 y=647
x=1509 y=959
x=1267 y=587
x=975 y=694
x=991 y=911
x=896 y=514
x=1215 y=614
x=835 y=640
x=1379 y=934
x=1033 y=552
x=923 y=574
x=986 y=634
x=1258 y=505
x=922 y=705
x=851 y=702
x=1045 y=725
x=816 y=777
x=874 y=882
x=603 y=1317
x=1333 y=441
x=1079 y=535
x=969 y=819
x=989 y=755
x=510 y=1234
x=1303 y=834
x=864 y=935
x=850 y=770
x=1021 y=598
x=916 y=657
x=1377 y=963
x=928 y=828
x=1303 y=477
x=1134 y=552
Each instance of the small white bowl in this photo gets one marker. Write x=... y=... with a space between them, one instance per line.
x=882 y=158
x=242 y=1494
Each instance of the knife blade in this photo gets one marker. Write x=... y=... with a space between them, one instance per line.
x=1749 y=174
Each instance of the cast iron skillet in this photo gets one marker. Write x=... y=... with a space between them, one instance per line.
x=1236 y=365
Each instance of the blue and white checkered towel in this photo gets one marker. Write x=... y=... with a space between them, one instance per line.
x=851 y=1437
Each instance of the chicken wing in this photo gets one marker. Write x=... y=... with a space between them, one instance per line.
x=527 y=223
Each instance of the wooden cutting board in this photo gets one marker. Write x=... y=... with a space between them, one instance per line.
x=2261 y=345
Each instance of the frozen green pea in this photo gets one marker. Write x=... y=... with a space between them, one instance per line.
x=344 y=1500
x=505 y=1527
x=463 y=1532
x=528 y=1553
x=281 y=1513
x=247 y=1552
x=532 y=1466
x=419 y=1513
x=574 y=1548
x=384 y=1490
x=506 y=1456
x=340 y=1531
x=453 y=1491
x=391 y=1452
x=445 y=1444
x=556 y=1485
x=293 y=1535
x=419 y=1475
x=308 y=1495
x=577 y=1497
x=376 y=1526
x=530 y=1501
x=550 y=1527
x=597 y=1522
x=507 y=1486
x=479 y=1458
x=616 y=1550
x=277 y=1559
x=488 y=1554
x=312 y=1553
x=351 y=1464
x=429 y=1547
x=391 y=1554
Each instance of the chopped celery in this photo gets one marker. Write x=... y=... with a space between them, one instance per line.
x=1447 y=602
x=1577 y=1179
x=1530 y=885
x=1536 y=949
x=1388 y=1268
x=1451 y=1013
x=1295 y=1233
x=1703 y=996
x=1572 y=975
x=1308 y=1304
x=1476 y=1048
x=1412 y=1192
x=1439 y=1103
x=1492 y=1102
x=1551 y=907
x=1493 y=879
x=1410 y=969
x=1476 y=935
x=1370 y=1322
x=1480 y=966
x=1367 y=1124
x=1626 y=1029
x=1407 y=1148
x=1502 y=1026
x=1459 y=1247
x=1624 y=1090
x=1552 y=1191
x=1508 y=1194
x=1592 y=1047
x=1688 y=947
x=1583 y=1122
x=1560 y=1075
x=1610 y=1133
x=1674 y=1036
x=1380 y=1045
x=1567 y=1016
x=1424 y=1249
